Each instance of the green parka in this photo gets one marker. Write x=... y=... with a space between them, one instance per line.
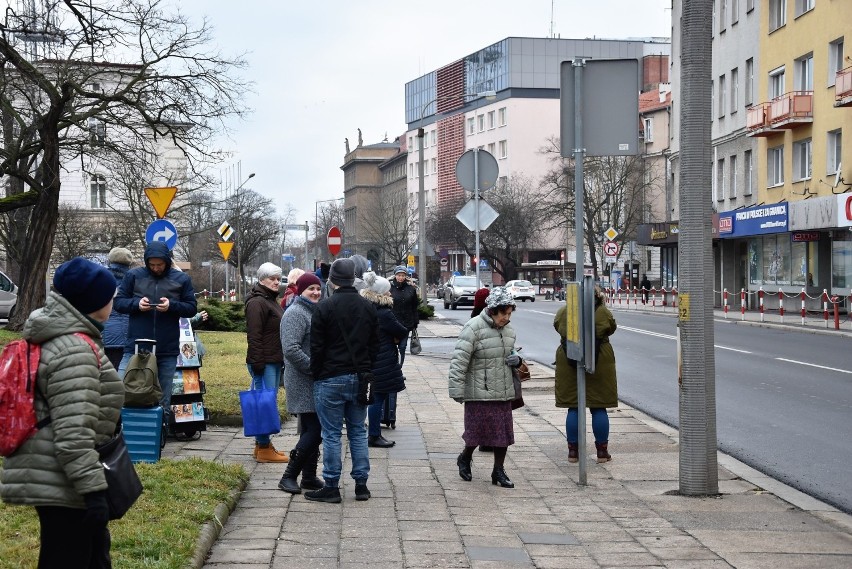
x=59 y=464
x=478 y=370
x=601 y=386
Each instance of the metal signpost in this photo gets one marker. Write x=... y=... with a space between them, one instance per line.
x=477 y=170
x=300 y=227
x=334 y=239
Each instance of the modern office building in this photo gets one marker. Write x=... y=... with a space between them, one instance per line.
x=517 y=126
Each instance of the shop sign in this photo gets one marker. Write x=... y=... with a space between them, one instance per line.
x=548 y=263
x=844 y=210
x=814 y=213
x=757 y=220
x=804 y=236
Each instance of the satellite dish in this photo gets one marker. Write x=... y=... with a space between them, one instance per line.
x=837 y=178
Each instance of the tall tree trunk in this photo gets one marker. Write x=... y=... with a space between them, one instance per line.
x=698 y=464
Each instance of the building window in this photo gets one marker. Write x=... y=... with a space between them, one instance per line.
x=749 y=6
x=723 y=95
x=732 y=170
x=501 y=116
x=735 y=11
x=98 y=191
x=433 y=165
x=97 y=132
x=749 y=81
x=491 y=148
x=411 y=144
x=775 y=166
x=802 y=167
x=491 y=123
x=777 y=14
x=471 y=124
x=434 y=137
x=776 y=82
x=723 y=14
x=720 y=179
x=748 y=173
x=504 y=148
x=805 y=73
x=803 y=6
x=835 y=146
x=411 y=171
x=835 y=60
x=735 y=89
x=649 y=131
x=480 y=120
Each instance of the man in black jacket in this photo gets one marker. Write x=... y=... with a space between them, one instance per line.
x=344 y=345
x=405 y=301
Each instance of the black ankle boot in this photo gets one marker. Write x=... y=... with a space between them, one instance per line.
x=464 y=468
x=310 y=480
x=288 y=482
x=498 y=476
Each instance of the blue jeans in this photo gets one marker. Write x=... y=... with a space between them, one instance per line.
x=269 y=380
x=166 y=366
x=374 y=413
x=336 y=400
x=600 y=424
x=403 y=346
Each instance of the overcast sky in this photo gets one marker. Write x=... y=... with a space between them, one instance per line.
x=323 y=69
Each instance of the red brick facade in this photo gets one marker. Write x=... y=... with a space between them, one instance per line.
x=450 y=148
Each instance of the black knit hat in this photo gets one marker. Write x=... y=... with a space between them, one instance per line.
x=86 y=285
x=342 y=272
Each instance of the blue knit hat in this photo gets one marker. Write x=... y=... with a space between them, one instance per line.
x=86 y=285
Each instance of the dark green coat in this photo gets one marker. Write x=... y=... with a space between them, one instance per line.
x=601 y=386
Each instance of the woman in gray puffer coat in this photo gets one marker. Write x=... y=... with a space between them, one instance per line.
x=299 y=385
x=481 y=379
x=57 y=470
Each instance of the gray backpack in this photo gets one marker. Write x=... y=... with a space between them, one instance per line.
x=141 y=382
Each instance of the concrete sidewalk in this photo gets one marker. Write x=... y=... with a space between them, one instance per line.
x=422 y=514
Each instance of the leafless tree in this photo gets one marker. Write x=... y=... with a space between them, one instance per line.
x=389 y=225
x=119 y=76
x=74 y=232
x=329 y=214
x=256 y=227
x=617 y=191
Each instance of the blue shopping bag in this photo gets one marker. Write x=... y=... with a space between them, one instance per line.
x=260 y=412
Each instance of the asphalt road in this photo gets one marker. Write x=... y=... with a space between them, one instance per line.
x=783 y=397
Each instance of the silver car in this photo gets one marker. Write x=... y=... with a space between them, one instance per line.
x=460 y=289
x=8 y=296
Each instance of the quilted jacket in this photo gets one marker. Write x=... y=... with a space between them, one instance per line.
x=59 y=464
x=478 y=370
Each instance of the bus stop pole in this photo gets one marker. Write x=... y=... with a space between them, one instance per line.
x=579 y=262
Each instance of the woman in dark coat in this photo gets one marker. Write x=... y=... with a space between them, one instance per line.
x=601 y=386
x=387 y=372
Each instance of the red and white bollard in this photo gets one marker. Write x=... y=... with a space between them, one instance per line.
x=222 y=294
x=760 y=301
x=742 y=303
x=654 y=297
x=233 y=295
x=781 y=305
x=825 y=306
x=803 y=295
x=725 y=301
x=674 y=297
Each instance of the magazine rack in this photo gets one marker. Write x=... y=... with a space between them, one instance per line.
x=189 y=416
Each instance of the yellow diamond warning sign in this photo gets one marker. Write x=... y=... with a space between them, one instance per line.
x=225 y=230
x=161 y=199
x=225 y=247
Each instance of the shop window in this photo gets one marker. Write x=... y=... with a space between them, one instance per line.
x=841 y=260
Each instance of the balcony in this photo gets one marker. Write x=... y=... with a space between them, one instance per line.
x=790 y=110
x=843 y=88
x=757 y=121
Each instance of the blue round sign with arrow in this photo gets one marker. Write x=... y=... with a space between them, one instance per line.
x=162 y=230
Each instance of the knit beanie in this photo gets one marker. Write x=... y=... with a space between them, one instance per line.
x=361 y=264
x=121 y=256
x=342 y=272
x=267 y=270
x=306 y=280
x=376 y=284
x=86 y=285
x=400 y=269
x=498 y=297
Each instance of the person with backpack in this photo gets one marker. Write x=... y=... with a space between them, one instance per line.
x=156 y=297
x=57 y=469
x=115 y=329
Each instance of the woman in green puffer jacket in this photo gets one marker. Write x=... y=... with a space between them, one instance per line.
x=57 y=470
x=481 y=378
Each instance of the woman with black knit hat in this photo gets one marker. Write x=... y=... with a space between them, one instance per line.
x=57 y=470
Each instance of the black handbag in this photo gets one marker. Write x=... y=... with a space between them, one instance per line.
x=123 y=484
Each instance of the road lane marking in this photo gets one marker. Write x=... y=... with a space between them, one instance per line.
x=541 y=312
x=732 y=349
x=814 y=365
x=670 y=337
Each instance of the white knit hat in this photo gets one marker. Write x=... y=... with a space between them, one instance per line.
x=499 y=296
x=375 y=283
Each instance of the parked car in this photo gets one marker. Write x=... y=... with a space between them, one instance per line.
x=521 y=290
x=8 y=297
x=459 y=290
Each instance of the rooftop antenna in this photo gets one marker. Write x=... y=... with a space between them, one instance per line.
x=552 y=2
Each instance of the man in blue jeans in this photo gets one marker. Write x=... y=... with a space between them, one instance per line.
x=344 y=345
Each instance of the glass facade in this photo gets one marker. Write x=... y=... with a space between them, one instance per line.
x=841 y=260
x=417 y=94
x=487 y=69
x=777 y=260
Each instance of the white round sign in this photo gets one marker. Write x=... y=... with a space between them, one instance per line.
x=611 y=248
x=444 y=262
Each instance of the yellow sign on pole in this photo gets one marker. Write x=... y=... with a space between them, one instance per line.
x=161 y=199
x=225 y=247
x=411 y=260
x=683 y=309
x=572 y=312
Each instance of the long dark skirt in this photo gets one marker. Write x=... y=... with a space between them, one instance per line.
x=488 y=423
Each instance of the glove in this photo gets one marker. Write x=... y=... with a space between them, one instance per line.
x=513 y=360
x=258 y=369
x=97 y=510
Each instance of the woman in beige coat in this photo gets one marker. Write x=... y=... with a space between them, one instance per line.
x=481 y=379
x=601 y=386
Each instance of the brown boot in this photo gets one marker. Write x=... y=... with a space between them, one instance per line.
x=573 y=453
x=603 y=455
x=284 y=454
x=267 y=453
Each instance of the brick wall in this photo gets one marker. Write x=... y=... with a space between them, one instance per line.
x=450 y=148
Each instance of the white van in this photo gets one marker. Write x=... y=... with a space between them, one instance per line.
x=8 y=296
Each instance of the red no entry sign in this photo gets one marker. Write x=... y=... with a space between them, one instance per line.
x=335 y=240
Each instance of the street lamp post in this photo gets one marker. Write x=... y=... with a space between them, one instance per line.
x=421 y=186
x=239 y=237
